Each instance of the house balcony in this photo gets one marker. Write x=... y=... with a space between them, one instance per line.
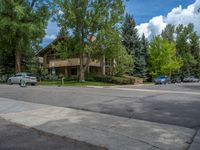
x=71 y=62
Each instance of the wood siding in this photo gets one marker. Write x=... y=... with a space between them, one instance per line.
x=71 y=62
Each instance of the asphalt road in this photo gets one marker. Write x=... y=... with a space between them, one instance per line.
x=176 y=104
x=15 y=137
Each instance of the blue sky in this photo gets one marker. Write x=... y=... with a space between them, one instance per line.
x=151 y=16
x=144 y=10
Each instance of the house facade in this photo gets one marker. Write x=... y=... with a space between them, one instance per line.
x=69 y=67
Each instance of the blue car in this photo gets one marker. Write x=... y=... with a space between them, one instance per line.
x=162 y=80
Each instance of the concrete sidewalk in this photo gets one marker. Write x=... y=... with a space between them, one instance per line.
x=114 y=133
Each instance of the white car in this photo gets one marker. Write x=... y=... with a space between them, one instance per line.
x=29 y=78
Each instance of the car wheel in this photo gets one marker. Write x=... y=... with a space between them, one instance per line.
x=20 y=82
x=33 y=84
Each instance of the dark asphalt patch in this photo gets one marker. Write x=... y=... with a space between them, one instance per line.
x=15 y=137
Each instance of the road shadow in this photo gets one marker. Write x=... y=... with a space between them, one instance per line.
x=16 y=137
x=179 y=112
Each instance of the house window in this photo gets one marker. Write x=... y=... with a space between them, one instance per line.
x=73 y=71
x=108 y=62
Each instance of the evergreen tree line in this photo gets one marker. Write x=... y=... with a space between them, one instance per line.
x=176 y=52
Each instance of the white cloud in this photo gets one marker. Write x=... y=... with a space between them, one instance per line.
x=143 y=29
x=50 y=37
x=178 y=15
x=154 y=27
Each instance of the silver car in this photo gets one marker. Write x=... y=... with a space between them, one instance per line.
x=190 y=79
x=29 y=78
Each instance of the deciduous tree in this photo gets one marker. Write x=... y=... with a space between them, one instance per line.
x=94 y=26
x=22 y=25
x=162 y=59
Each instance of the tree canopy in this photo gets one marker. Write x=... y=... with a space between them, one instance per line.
x=22 y=26
x=94 y=26
x=162 y=57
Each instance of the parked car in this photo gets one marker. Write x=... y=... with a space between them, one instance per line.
x=176 y=79
x=190 y=79
x=29 y=78
x=162 y=80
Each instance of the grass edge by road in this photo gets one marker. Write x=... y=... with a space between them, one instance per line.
x=74 y=83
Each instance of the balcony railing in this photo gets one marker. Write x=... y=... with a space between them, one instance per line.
x=71 y=62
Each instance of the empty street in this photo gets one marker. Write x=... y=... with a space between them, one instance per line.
x=173 y=107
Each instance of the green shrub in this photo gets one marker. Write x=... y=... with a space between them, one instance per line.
x=115 y=80
x=122 y=80
x=107 y=79
x=2 y=81
x=69 y=79
x=136 y=80
x=100 y=78
x=90 y=77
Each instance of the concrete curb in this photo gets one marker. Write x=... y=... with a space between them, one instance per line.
x=196 y=142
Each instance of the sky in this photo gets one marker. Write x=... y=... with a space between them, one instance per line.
x=152 y=16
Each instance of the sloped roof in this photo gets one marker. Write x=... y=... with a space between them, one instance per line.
x=45 y=49
x=91 y=38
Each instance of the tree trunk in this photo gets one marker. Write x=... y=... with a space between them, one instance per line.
x=103 y=66
x=84 y=64
x=17 y=61
x=81 y=70
x=66 y=72
x=82 y=76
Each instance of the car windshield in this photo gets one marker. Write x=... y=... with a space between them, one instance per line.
x=30 y=75
x=18 y=75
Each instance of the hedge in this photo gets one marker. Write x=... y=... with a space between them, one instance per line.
x=111 y=79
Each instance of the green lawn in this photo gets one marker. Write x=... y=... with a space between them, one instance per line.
x=74 y=83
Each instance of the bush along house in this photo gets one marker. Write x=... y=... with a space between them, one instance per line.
x=69 y=67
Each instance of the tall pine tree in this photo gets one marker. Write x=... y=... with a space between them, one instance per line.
x=143 y=57
x=130 y=35
x=168 y=33
x=135 y=46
